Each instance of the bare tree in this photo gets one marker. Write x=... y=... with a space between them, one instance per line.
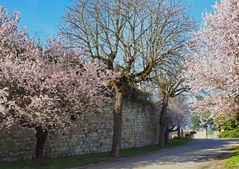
x=131 y=37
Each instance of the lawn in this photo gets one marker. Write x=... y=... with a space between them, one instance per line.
x=81 y=160
x=233 y=161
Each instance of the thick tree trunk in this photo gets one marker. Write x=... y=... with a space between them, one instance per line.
x=41 y=136
x=117 y=129
x=162 y=126
x=162 y=135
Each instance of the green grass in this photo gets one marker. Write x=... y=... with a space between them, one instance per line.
x=59 y=163
x=233 y=161
x=81 y=160
x=139 y=150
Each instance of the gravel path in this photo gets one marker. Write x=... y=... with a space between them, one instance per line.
x=198 y=154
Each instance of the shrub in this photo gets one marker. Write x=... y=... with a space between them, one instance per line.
x=230 y=134
x=133 y=93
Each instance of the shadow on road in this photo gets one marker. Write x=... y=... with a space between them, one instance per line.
x=197 y=151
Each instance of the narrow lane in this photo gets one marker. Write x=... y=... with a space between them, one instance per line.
x=197 y=154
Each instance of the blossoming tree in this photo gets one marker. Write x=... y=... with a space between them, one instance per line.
x=177 y=116
x=213 y=61
x=44 y=88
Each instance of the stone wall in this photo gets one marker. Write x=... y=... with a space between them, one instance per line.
x=94 y=134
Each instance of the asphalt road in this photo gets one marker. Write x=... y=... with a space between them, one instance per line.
x=198 y=154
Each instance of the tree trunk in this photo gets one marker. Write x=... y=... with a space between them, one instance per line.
x=41 y=136
x=182 y=134
x=117 y=129
x=162 y=135
x=162 y=126
x=166 y=135
x=178 y=133
x=206 y=131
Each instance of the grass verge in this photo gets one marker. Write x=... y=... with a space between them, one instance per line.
x=233 y=161
x=81 y=160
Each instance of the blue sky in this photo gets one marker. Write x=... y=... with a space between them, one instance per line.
x=42 y=17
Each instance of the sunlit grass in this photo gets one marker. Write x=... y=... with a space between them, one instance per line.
x=233 y=161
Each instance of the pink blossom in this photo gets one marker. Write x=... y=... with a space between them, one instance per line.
x=45 y=86
x=212 y=64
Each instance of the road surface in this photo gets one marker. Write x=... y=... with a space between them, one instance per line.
x=198 y=154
